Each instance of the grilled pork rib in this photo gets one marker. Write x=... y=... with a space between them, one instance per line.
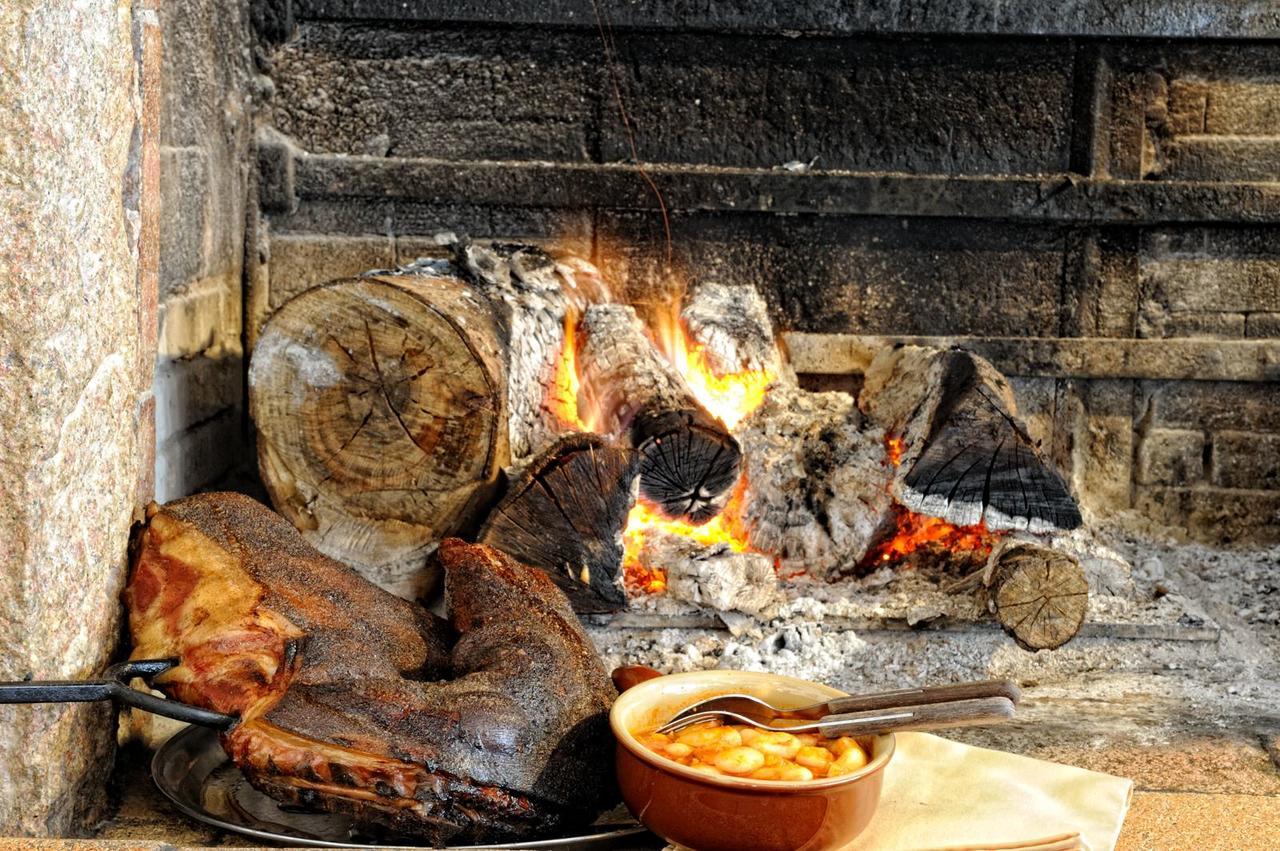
x=489 y=727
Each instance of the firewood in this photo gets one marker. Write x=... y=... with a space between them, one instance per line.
x=565 y=514
x=689 y=460
x=817 y=477
x=965 y=455
x=534 y=298
x=381 y=416
x=1040 y=595
x=731 y=324
x=713 y=576
x=387 y=404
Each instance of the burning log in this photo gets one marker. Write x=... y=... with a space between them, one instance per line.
x=817 y=481
x=381 y=416
x=965 y=456
x=731 y=326
x=816 y=476
x=535 y=299
x=1040 y=595
x=689 y=460
x=714 y=576
x=565 y=514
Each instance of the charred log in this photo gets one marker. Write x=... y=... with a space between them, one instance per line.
x=965 y=455
x=817 y=479
x=565 y=514
x=534 y=296
x=1040 y=595
x=689 y=461
x=713 y=576
x=731 y=324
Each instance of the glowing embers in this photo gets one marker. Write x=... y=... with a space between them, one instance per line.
x=645 y=521
x=917 y=536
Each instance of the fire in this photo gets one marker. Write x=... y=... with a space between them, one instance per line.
x=567 y=381
x=917 y=531
x=731 y=397
x=725 y=528
x=894 y=445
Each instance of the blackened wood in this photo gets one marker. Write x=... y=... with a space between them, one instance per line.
x=1038 y=594
x=690 y=461
x=565 y=514
x=963 y=454
x=980 y=463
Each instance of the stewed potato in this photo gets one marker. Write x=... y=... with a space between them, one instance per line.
x=733 y=750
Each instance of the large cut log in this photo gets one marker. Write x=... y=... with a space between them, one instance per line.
x=689 y=461
x=965 y=455
x=381 y=417
x=565 y=514
x=387 y=404
x=1040 y=595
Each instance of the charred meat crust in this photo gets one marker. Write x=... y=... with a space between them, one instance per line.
x=490 y=726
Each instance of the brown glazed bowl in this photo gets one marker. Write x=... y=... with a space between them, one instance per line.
x=710 y=813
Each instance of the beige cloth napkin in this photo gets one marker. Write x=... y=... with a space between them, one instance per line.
x=939 y=794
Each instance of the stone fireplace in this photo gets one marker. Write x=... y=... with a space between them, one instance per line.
x=1086 y=198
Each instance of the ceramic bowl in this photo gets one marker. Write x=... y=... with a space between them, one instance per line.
x=710 y=813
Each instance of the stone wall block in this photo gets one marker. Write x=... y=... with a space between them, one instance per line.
x=1264 y=324
x=300 y=262
x=1217 y=515
x=1171 y=457
x=1246 y=460
x=1102 y=455
x=186 y=236
x=1212 y=405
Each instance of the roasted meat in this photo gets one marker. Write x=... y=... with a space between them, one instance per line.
x=489 y=727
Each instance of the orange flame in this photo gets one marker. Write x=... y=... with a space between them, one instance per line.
x=725 y=528
x=730 y=397
x=917 y=531
x=894 y=445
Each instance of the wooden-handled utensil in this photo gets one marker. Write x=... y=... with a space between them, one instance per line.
x=929 y=716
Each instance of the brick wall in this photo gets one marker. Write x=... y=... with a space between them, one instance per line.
x=1088 y=203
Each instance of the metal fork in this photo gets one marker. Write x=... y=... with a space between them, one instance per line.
x=759 y=713
x=932 y=716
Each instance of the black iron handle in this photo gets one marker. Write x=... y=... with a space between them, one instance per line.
x=115 y=686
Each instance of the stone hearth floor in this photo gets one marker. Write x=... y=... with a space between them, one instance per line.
x=1190 y=710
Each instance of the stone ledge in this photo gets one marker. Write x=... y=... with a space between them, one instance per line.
x=1186 y=359
x=1138 y=18
x=1186 y=821
x=1050 y=197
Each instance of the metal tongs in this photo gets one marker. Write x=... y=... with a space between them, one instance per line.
x=933 y=708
